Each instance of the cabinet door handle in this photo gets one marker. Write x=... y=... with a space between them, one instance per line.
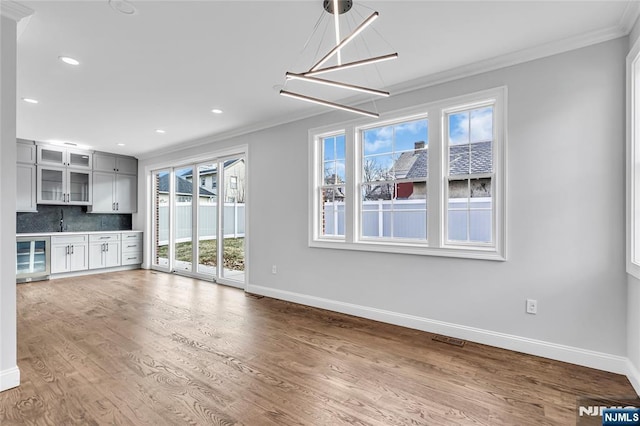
x=130 y=258
x=117 y=206
x=106 y=246
x=104 y=238
x=72 y=250
x=68 y=249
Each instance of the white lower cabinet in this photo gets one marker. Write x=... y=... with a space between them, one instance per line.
x=104 y=250
x=69 y=253
x=131 y=248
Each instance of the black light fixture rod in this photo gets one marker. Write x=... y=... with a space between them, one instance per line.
x=293 y=76
x=346 y=40
x=329 y=104
x=352 y=64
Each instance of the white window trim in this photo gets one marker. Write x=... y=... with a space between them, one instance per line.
x=633 y=154
x=436 y=244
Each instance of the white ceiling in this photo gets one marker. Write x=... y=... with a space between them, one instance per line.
x=167 y=66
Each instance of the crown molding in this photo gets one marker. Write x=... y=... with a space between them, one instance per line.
x=14 y=10
x=511 y=59
x=629 y=16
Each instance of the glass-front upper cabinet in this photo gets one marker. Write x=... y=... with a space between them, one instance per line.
x=61 y=185
x=67 y=157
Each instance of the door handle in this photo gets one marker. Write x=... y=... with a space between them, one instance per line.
x=68 y=249
x=72 y=250
x=117 y=206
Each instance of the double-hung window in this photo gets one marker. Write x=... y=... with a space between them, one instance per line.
x=469 y=175
x=393 y=180
x=426 y=180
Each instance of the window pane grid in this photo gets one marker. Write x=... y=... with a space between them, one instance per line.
x=470 y=176
x=394 y=181
x=332 y=189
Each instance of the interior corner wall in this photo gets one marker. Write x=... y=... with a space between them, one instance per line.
x=9 y=373
x=565 y=220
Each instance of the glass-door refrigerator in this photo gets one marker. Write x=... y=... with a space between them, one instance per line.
x=33 y=259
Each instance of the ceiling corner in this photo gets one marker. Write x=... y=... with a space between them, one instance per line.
x=630 y=16
x=14 y=10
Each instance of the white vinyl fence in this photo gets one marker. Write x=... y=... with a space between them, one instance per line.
x=468 y=220
x=208 y=219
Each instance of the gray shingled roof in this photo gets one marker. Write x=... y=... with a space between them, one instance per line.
x=413 y=165
x=183 y=186
x=189 y=172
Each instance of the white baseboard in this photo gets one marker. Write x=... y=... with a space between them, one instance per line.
x=634 y=376
x=9 y=378
x=573 y=355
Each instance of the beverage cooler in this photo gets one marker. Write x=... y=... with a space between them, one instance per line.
x=33 y=259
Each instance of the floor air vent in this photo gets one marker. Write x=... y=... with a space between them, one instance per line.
x=253 y=295
x=449 y=340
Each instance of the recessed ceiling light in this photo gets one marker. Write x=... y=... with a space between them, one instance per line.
x=68 y=60
x=216 y=111
x=120 y=144
x=123 y=7
x=29 y=100
x=69 y=143
x=160 y=131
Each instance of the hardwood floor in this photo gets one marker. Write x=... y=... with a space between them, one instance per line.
x=140 y=347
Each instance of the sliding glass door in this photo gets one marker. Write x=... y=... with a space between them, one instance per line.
x=199 y=219
x=234 y=191
x=183 y=223
x=208 y=219
x=160 y=182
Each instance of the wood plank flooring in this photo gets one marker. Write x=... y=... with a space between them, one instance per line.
x=141 y=347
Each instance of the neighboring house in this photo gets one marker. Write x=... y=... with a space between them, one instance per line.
x=235 y=182
x=184 y=190
x=463 y=159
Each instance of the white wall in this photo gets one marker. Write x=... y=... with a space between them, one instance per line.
x=565 y=230
x=9 y=373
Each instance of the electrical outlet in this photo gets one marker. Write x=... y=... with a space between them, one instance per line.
x=274 y=269
x=532 y=306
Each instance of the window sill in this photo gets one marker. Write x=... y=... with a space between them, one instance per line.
x=633 y=269
x=488 y=253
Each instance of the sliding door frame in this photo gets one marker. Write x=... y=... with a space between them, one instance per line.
x=211 y=157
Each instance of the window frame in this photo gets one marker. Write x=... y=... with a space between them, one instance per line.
x=319 y=183
x=435 y=244
x=359 y=131
x=447 y=177
x=633 y=161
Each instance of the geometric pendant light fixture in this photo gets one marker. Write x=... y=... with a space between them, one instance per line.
x=320 y=68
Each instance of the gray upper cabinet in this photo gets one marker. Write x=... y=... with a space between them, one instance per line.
x=26 y=177
x=53 y=155
x=115 y=184
x=103 y=162
x=26 y=152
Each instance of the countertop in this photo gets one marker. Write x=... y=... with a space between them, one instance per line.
x=48 y=234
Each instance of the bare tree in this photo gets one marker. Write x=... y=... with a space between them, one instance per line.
x=377 y=175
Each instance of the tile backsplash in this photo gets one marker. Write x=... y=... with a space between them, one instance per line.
x=76 y=219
